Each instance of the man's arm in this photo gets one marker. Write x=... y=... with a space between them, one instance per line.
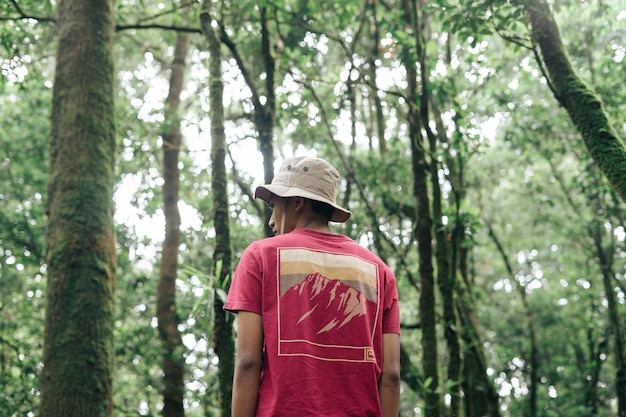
x=389 y=383
x=248 y=364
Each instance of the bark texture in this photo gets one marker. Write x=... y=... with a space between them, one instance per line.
x=445 y=247
x=423 y=236
x=223 y=341
x=168 y=320
x=581 y=102
x=481 y=398
x=80 y=255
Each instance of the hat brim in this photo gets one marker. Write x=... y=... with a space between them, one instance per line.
x=264 y=192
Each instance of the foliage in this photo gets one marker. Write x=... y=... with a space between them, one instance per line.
x=23 y=173
x=524 y=170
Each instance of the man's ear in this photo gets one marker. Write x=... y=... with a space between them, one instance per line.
x=300 y=202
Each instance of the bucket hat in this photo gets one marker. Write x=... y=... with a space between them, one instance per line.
x=308 y=177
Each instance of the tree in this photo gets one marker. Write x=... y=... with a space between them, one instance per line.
x=169 y=321
x=80 y=254
x=604 y=145
x=582 y=104
x=263 y=71
x=463 y=88
x=424 y=222
x=222 y=257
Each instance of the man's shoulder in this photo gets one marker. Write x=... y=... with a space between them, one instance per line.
x=273 y=243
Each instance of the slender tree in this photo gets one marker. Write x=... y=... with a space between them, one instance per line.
x=223 y=341
x=423 y=230
x=263 y=100
x=168 y=320
x=605 y=254
x=444 y=246
x=80 y=254
x=481 y=397
x=373 y=54
x=533 y=360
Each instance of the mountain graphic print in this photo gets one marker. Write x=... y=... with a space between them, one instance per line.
x=328 y=305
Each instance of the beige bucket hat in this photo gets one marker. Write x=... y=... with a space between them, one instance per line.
x=308 y=177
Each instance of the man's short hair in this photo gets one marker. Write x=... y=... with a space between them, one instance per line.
x=324 y=209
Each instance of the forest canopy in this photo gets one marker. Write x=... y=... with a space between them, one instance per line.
x=481 y=148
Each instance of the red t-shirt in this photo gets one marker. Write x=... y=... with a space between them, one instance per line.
x=325 y=302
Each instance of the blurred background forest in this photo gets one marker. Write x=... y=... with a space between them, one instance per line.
x=462 y=167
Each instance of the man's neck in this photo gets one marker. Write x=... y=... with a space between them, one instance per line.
x=316 y=224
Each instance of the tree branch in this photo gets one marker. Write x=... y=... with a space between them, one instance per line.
x=23 y=15
x=120 y=28
x=242 y=67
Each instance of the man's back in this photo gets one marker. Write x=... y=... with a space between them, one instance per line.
x=318 y=326
x=325 y=303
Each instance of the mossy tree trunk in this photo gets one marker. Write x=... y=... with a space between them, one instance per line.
x=600 y=138
x=445 y=246
x=80 y=255
x=423 y=234
x=581 y=102
x=223 y=341
x=480 y=396
x=168 y=320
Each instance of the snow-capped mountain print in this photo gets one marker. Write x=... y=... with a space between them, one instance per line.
x=331 y=304
x=328 y=305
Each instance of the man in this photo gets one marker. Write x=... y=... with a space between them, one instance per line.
x=318 y=330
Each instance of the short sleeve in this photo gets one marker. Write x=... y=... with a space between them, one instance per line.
x=245 y=291
x=391 y=308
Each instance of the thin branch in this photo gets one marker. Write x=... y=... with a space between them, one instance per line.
x=533 y=48
x=120 y=28
x=9 y=344
x=244 y=187
x=539 y=62
x=172 y=10
x=22 y=15
x=242 y=67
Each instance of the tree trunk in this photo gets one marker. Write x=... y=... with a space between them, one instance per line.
x=592 y=363
x=374 y=99
x=444 y=249
x=423 y=236
x=264 y=114
x=581 y=102
x=79 y=319
x=534 y=364
x=608 y=279
x=481 y=398
x=168 y=320
x=223 y=341
x=408 y=371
